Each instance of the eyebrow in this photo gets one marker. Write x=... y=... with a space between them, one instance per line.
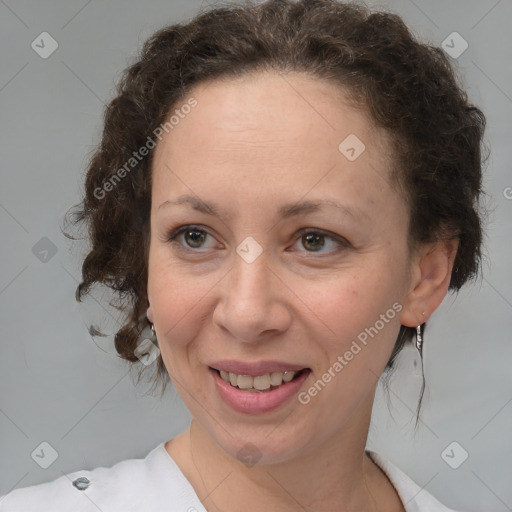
x=286 y=211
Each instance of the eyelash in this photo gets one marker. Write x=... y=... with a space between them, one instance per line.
x=342 y=242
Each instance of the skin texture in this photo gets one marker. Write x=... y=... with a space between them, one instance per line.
x=251 y=145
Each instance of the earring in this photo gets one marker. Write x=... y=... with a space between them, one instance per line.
x=153 y=332
x=153 y=335
x=147 y=349
x=153 y=338
x=419 y=340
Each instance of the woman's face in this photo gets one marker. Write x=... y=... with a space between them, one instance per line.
x=246 y=291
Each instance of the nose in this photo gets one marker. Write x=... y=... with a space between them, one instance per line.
x=253 y=303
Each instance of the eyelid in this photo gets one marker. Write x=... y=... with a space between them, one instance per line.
x=173 y=233
x=327 y=234
x=183 y=227
x=341 y=241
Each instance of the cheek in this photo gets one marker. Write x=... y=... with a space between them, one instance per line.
x=176 y=305
x=361 y=305
x=362 y=313
x=174 y=299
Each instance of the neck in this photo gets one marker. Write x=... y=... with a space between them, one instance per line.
x=335 y=475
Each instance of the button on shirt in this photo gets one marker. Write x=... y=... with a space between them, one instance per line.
x=156 y=484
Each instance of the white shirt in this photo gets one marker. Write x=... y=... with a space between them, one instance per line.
x=156 y=484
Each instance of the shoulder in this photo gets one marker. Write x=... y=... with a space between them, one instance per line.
x=149 y=484
x=414 y=497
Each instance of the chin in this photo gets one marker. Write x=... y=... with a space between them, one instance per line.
x=259 y=444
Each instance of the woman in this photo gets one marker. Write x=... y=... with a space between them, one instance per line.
x=284 y=194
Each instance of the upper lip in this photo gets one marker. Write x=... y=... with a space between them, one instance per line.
x=255 y=368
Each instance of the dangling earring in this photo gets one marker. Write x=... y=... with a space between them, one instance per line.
x=153 y=334
x=419 y=347
x=154 y=339
x=419 y=341
x=147 y=349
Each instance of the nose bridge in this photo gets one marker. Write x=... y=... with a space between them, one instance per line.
x=251 y=304
x=250 y=286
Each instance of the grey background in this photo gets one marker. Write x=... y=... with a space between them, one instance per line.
x=58 y=386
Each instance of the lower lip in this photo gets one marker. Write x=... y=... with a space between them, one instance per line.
x=257 y=403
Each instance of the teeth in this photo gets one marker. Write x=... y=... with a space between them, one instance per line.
x=288 y=376
x=258 y=383
x=262 y=382
x=276 y=378
x=245 y=382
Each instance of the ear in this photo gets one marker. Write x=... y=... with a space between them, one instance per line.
x=149 y=314
x=431 y=273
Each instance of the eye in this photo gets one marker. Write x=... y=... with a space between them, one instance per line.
x=315 y=240
x=192 y=235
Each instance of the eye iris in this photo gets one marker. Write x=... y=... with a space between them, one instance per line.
x=197 y=239
x=310 y=237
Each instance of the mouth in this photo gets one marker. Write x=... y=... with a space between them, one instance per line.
x=263 y=383
x=257 y=388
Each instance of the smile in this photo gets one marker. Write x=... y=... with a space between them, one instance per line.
x=267 y=389
x=259 y=383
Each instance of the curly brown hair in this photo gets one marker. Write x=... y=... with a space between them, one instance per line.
x=408 y=87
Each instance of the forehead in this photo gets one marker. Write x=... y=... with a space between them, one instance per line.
x=274 y=109
x=285 y=132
